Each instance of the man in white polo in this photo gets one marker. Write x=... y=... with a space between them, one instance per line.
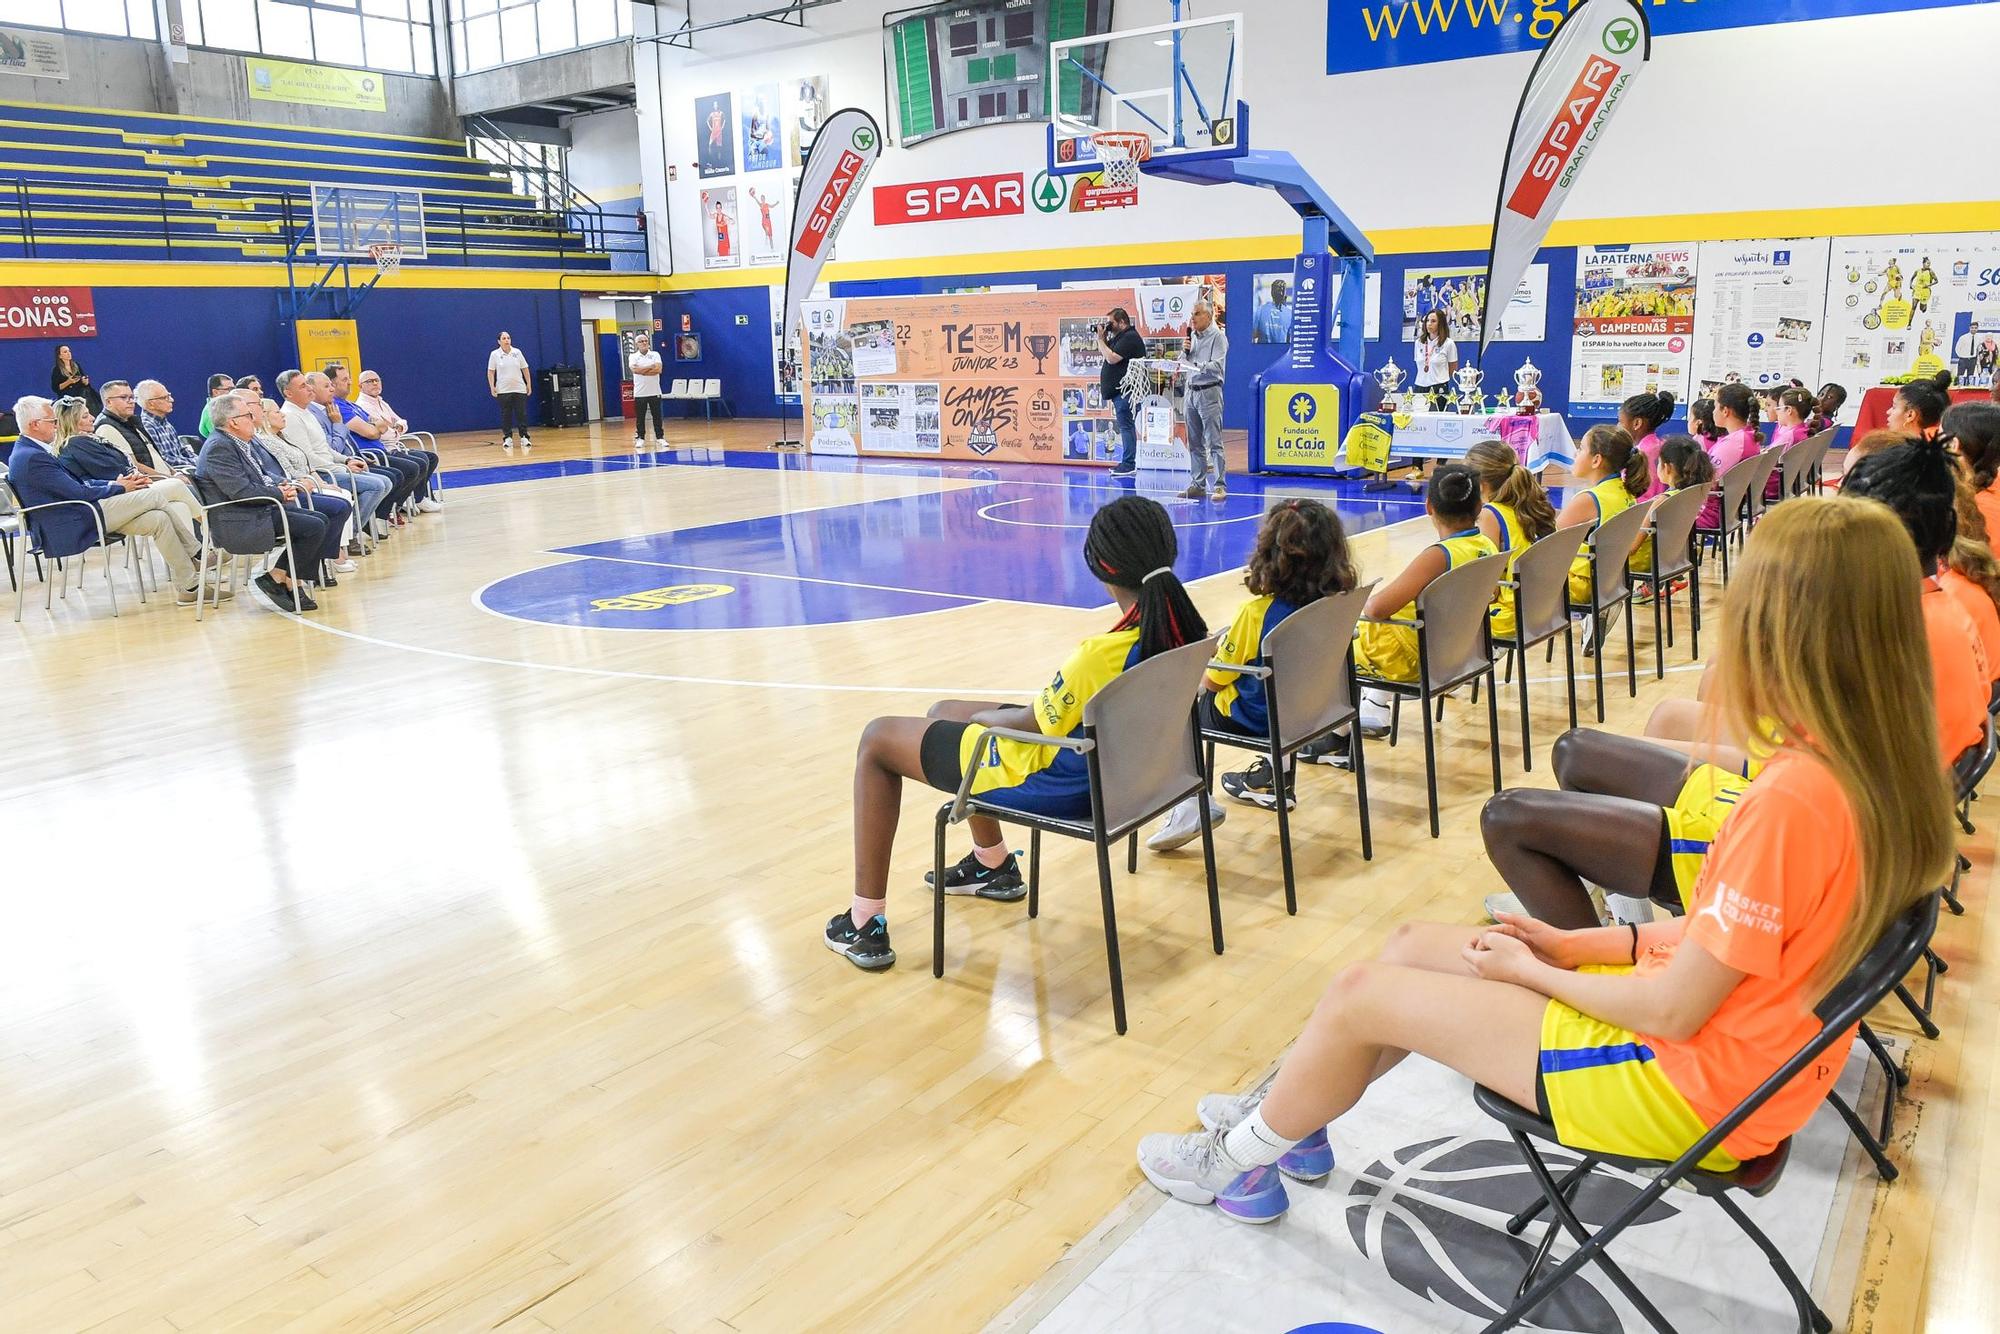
x=645 y=366
x=507 y=381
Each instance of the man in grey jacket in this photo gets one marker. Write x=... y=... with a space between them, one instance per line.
x=1206 y=355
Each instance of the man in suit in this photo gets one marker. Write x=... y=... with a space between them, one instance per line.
x=234 y=467
x=303 y=430
x=127 y=504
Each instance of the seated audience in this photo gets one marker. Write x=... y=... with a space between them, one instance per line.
x=1919 y=406
x=1973 y=430
x=1971 y=575
x=217 y=384
x=1387 y=650
x=1793 y=407
x=119 y=426
x=1642 y=416
x=360 y=423
x=233 y=468
x=369 y=490
x=155 y=402
x=128 y=504
x=92 y=460
x=321 y=497
x=1130 y=548
x=1637 y=1039
x=1826 y=409
x=1613 y=475
x=1516 y=515
x=401 y=474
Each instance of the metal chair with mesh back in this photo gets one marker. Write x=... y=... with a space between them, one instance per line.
x=1138 y=768
x=1839 y=1011
x=1541 y=612
x=1673 y=532
x=1454 y=646
x=1311 y=654
x=1733 y=486
x=1610 y=551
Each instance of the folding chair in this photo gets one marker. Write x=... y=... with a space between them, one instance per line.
x=1541 y=612
x=203 y=491
x=1138 y=769
x=1841 y=1010
x=13 y=528
x=1311 y=652
x=1610 y=551
x=1734 y=486
x=677 y=392
x=1810 y=471
x=430 y=442
x=1673 y=531
x=1454 y=645
x=1799 y=461
x=37 y=546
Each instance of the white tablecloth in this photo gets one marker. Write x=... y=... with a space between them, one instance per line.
x=1540 y=438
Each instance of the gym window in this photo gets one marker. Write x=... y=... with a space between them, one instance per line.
x=114 y=18
x=486 y=33
x=391 y=36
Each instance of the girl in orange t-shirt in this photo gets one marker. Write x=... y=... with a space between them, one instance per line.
x=1637 y=1039
x=1973 y=430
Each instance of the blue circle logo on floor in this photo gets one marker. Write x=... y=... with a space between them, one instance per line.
x=1334 y=1327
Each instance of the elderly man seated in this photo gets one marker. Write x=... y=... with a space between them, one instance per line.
x=96 y=457
x=303 y=431
x=234 y=467
x=132 y=503
x=403 y=473
x=119 y=426
x=385 y=433
x=297 y=469
x=155 y=402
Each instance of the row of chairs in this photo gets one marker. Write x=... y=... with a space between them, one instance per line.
x=708 y=393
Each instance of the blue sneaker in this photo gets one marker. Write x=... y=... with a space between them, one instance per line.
x=1191 y=1168
x=1308 y=1160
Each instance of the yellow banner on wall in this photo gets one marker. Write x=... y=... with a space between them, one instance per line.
x=324 y=344
x=314 y=85
x=1301 y=424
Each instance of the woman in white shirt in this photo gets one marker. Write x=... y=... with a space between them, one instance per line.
x=507 y=380
x=1437 y=358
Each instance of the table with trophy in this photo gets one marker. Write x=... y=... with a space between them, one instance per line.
x=1538 y=436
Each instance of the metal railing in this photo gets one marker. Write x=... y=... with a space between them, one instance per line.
x=141 y=211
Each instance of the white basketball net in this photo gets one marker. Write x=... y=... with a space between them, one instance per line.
x=1120 y=152
x=388 y=256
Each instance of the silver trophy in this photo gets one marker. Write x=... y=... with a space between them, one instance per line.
x=1528 y=387
x=1468 y=379
x=1390 y=377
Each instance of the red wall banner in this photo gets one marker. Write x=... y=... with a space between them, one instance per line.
x=47 y=312
x=1001 y=196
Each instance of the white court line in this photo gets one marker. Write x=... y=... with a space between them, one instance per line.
x=797 y=578
x=986 y=512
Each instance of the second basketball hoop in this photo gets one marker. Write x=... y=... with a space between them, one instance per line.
x=1119 y=152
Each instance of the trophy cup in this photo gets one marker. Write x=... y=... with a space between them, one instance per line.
x=1390 y=377
x=1039 y=346
x=1468 y=379
x=1528 y=387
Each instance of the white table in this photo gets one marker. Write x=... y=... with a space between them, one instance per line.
x=1540 y=438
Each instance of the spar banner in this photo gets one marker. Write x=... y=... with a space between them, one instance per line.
x=1572 y=93
x=845 y=149
x=1377 y=34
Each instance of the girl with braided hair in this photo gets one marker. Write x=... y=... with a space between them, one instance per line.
x=1130 y=549
x=1301 y=557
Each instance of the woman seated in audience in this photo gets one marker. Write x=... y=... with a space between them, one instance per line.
x=1642 y=416
x=1451 y=501
x=1613 y=475
x=90 y=458
x=1847 y=826
x=1971 y=575
x=1919 y=406
x=318 y=494
x=1973 y=431
x=1516 y=515
x=1301 y=556
x=1130 y=548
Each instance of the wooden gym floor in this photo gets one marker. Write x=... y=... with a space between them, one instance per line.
x=411 y=966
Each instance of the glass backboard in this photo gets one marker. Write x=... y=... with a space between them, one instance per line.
x=1179 y=83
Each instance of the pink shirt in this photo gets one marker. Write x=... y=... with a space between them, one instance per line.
x=1726 y=453
x=1650 y=447
x=1782 y=437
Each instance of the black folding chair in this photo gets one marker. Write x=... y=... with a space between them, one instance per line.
x=1610 y=551
x=1673 y=531
x=1841 y=1010
x=1140 y=764
x=1735 y=488
x=1454 y=645
x=1541 y=612
x=1311 y=652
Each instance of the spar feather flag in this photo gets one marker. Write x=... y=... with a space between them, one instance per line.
x=1578 y=81
x=845 y=149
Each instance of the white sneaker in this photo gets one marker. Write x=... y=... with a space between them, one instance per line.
x=508 y=444
x=1375 y=712
x=1183 y=824
x=1308 y=1160
x=1610 y=618
x=1507 y=903
x=428 y=506
x=344 y=566
x=638 y=445
x=526 y=444
x=1192 y=1168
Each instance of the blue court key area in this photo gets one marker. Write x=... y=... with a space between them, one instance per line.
x=1005 y=539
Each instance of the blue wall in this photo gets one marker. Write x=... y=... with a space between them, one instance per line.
x=430 y=345
x=739 y=355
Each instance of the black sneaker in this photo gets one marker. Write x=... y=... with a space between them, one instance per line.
x=281 y=596
x=864 y=946
x=1328 y=750
x=1002 y=883
x=1254 y=786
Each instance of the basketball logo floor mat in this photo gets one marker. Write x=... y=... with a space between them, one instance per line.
x=1407 y=1237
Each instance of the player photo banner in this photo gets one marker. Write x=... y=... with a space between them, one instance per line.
x=842 y=154
x=1572 y=93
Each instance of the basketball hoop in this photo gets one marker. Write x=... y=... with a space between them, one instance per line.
x=388 y=256
x=1121 y=152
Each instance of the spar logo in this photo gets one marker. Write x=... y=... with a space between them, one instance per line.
x=1566 y=143
x=834 y=197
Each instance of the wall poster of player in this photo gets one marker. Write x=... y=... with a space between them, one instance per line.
x=767 y=211
x=808 y=110
x=714 y=136
x=721 y=245
x=763 y=133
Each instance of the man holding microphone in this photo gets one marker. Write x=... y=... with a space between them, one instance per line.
x=1206 y=353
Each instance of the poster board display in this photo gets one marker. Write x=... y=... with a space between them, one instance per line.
x=1762 y=313
x=1008 y=377
x=1633 y=330
x=1460 y=292
x=1911 y=305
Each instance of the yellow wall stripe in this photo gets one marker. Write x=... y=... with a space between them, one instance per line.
x=122 y=273
x=259 y=125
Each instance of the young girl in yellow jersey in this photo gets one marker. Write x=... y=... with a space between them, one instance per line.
x=1390 y=651
x=1131 y=549
x=1612 y=474
x=1637 y=1040
x=1516 y=514
x=1301 y=556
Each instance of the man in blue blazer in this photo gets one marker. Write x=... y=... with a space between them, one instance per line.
x=233 y=466
x=127 y=504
